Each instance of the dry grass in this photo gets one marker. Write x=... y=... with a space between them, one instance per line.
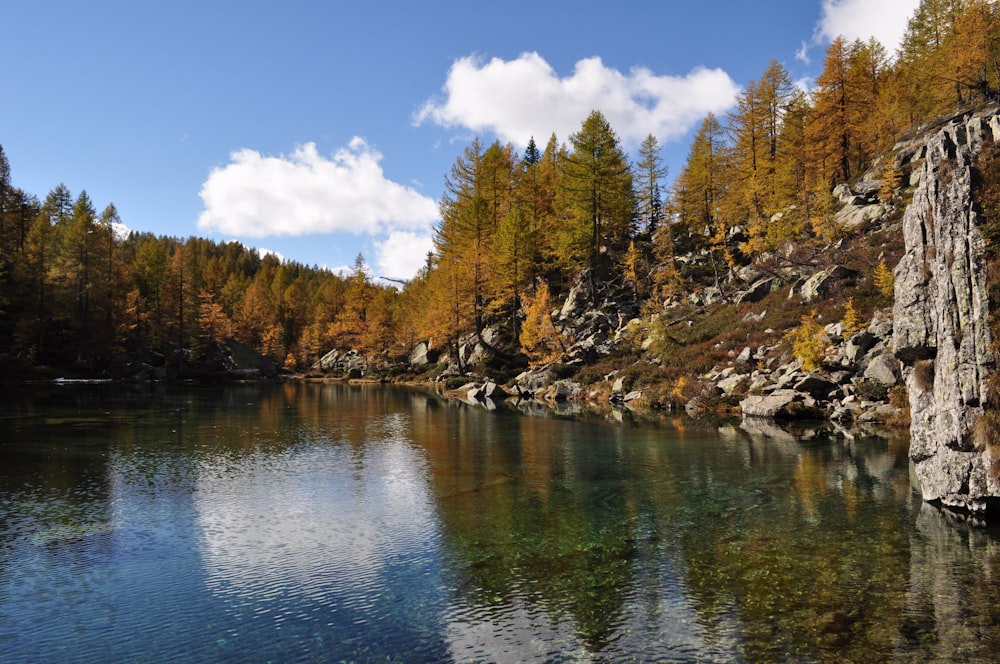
x=923 y=374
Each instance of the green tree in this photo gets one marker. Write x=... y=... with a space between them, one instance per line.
x=597 y=182
x=649 y=173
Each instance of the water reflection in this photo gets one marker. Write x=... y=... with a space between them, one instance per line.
x=328 y=522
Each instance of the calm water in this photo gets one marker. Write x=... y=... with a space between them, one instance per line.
x=323 y=523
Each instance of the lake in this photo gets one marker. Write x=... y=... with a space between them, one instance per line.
x=329 y=523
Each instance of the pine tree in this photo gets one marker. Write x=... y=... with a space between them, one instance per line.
x=597 y=182
x=531 y=155
x=649 y=172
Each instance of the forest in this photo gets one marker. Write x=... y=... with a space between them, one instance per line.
x=516 y=229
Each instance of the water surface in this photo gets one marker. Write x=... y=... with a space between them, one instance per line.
x=328 y=523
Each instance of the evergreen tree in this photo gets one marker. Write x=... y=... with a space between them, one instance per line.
x=531 y=155
x=597 y=182
x=649 y=172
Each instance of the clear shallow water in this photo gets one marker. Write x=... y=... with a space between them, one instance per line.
x=327 y=523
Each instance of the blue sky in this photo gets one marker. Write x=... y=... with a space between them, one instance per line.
x=319 y=130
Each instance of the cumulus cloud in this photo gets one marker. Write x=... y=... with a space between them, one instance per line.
x=262 y=196
x=402 y=254
x=525 y=97
x=860 y=19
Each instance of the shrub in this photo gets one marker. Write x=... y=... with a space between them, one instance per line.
x=852 y=320
x=884 y=280
x=809 y=342
x=923 y=374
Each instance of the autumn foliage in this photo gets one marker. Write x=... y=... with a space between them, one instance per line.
x=516 y=229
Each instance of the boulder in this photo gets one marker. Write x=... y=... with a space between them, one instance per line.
x=577 y=301
x=815 y=385
x=418 y=356
x=883 y=369
x=821 y=283
x=757 y=291
x=780 y=404
x=533 y=382
x=563 y=390
x=732 y=383
x=859 y=344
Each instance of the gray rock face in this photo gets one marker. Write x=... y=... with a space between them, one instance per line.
x=940 y=319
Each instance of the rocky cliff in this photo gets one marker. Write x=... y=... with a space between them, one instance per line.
x=941 y=332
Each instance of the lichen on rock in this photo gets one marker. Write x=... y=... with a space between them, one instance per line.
x=941 y=332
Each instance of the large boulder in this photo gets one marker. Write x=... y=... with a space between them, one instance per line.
x=884 y=370
x=419 y=355
x=780 y=404
x=821 y=283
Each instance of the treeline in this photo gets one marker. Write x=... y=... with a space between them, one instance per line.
x=74 y=291
x=516 y=229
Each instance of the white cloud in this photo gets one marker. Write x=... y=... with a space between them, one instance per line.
x=262 y=252
x=802 y=55
x=521 y=98
x=402 y=254
x=860 y=19
x=262 y=196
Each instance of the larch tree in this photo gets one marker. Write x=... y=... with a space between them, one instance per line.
x=697 y=192
x=540 y=194
x=928 y=74
x=755 y=128
x=792 y=174
x=539 y=338
x=829 y=128
x=463 y=237
x=973 y=49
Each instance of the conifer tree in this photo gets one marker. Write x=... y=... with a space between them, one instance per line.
x=697 y=194
x=649 y=172
x=597 y=182
x=539 y=338
x=755 y=129
x=829 y=126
